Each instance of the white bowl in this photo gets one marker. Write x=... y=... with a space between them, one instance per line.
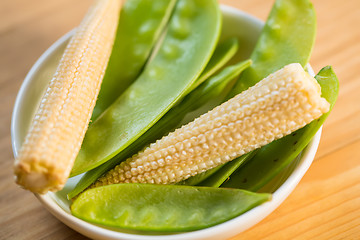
x=236 y=23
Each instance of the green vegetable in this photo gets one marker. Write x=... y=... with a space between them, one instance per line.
x=191 y=38
x=222 y=54
x=152 y=207
x=140 y=25
x=287 y=37
x=272 y=158
x=202 y=94
x=198 y=178
x=218 y=178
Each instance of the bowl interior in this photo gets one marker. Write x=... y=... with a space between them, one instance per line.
x=235 y=24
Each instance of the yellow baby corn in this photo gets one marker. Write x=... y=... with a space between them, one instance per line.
x=278 y=105
x=55 y=136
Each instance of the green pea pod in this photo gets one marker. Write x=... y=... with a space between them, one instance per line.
x=202 y=94
x=151 y=207
x=218 y=178
x=212 y=88
x=140 y=25
x=272 y=158
x=218 y=175
x=222 y=54
x=198 y=178
x=188 y=45
x=287 y=37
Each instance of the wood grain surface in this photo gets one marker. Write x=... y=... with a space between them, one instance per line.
x=326 y=203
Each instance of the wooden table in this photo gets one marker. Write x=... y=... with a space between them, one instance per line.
x=326 y=203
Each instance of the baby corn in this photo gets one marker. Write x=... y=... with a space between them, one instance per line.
x=55 y=136
x=278 y=105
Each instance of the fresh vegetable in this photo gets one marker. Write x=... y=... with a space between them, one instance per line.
x=211 y=88
x=217 y=176
x=287 y=37
x=278 y=105
x=222 y=54
x=54 y=139
x=224 y=173
x=271 y=159
x=153 y=207
x=195 y=25
x=140 y=25
x=196 y=179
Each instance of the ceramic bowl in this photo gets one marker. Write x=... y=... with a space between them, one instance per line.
x=235 y=23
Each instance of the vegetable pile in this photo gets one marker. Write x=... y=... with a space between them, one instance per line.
x=147 y=165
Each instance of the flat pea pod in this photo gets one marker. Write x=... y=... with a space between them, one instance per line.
x=188 y=45
x=205 y=92
x=223 y=53
x=220 y=176
x=210 y=89
x=198 y=178
x=140 y=25
x=287 y=37
x=272 y=158
x=151 y=207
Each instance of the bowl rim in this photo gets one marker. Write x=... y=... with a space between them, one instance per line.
x=225 y=229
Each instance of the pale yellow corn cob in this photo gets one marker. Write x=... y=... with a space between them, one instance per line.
x=55 y=136
x=278 y=105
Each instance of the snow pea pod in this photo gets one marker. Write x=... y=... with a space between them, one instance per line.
x=272 y=158
x=218 y=178
x=189 y=43
x=218 y=175
x=202 y=94
x=140 y=25
x=208 y=90
x=151 y=207
x=287 y=37
x=198 y=178
x=223 y=53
